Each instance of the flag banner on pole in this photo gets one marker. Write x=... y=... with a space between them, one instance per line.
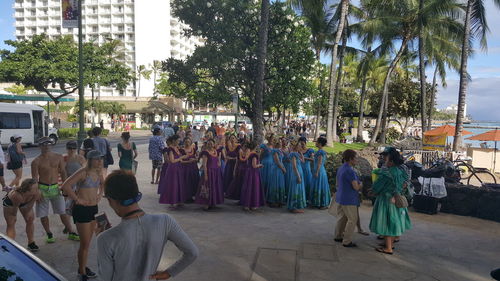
x=70 y=13
x=435 y=142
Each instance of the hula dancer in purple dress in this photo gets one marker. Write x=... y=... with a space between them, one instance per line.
x=163 y=175
x=173 y=192
x=232 y=152
x=252 y=193
x=210 y=192
x=234 y=190
x=190 y=171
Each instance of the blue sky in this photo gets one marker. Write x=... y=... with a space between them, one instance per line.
x=484 y=91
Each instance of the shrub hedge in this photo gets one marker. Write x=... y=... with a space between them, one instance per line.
x=68 y=133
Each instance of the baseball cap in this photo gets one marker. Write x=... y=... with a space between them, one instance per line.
x=388 y=150
x=45 y=140
x=16 y=136
x=72 y=145
x=94 y=154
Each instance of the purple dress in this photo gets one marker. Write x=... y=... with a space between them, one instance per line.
x=172 y=187
x=210 y=191
x=252 y=193
x=163 y=174
x=229 y=169
x=190 y=175
x=234 y=189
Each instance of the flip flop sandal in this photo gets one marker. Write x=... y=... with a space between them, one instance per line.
x=383 y=245
x=383 y=251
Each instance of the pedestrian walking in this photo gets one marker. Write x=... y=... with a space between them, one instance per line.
x=47 y=168
x=89 y=191
x=102 y=145
x=88 y=144
x=127 y=152
x=22 y=198
x=16 y=159
x=138 y=235
x=155 y=148
x=347 y=198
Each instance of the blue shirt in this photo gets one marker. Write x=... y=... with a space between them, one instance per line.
x=156 y=146
x=346 y=194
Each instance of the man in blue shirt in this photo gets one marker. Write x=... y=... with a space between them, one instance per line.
x=347 y=198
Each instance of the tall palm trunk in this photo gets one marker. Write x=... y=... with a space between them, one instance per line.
x=385 y=94
x=333 y=73
x=318 y=110
x=258 y=122
x=462 y=92
x=337 y=88
x=432 y=100
x=362 y=109
x=421 y=56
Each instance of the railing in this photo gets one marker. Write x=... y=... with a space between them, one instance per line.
x=427 y=158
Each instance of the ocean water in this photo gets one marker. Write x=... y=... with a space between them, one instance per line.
x=488 y=126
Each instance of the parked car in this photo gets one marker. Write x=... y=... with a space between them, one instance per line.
x=17 y=263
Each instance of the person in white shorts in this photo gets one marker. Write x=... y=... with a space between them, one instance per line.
x=46 y=169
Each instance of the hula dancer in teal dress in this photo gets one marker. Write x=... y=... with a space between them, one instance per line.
x=286 y=161
x=296 y=199
x=319 y=195
x=307 y=160
x=266 y=160
x=388 y=220
x=276 y=196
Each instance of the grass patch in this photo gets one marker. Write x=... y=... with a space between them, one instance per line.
x=340 y=147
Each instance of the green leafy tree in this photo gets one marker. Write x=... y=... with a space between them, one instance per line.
x=44 y=64
x=140 y=73
x=19 y=89
x=226 y=64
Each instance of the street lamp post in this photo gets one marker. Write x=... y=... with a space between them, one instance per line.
x=81 y=100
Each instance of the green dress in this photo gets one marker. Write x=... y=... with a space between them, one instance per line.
x=127 y=157
x=387 y=219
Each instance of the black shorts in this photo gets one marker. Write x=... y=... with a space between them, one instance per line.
x=14 y=165
x=157 y=164
x=1 y=170
x=84 y=214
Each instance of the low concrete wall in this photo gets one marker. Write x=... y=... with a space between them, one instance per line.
x=466 y=200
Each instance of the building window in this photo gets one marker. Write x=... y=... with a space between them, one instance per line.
x=94 y=28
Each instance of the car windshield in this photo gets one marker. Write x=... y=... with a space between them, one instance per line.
x=15 y=265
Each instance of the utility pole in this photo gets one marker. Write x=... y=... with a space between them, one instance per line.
x=81 y=100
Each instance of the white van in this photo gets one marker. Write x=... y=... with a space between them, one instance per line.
x=26 y=120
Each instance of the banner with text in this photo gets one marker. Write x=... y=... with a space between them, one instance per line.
x=435 y=142
x=70 y=13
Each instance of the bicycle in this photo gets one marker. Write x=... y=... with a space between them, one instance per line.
x=467 y=172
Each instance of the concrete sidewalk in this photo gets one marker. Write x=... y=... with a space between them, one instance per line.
x=275 y=245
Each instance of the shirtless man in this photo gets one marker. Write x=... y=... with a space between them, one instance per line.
x=46 y=169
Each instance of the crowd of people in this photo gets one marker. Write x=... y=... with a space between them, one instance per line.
x=189 y=166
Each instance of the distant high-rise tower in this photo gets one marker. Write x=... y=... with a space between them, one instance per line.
x=146 y=28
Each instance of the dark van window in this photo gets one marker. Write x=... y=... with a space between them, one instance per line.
x=15 y=121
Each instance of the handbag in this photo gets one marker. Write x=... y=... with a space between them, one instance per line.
x=332 y=209
x=400 y=201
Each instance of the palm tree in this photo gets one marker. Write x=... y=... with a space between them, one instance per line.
x=316 y=17
x=156 y=67
x=344 y=6
x=258 y=122
x=475 y=26
x=421 y=58
x=399 y=20
x=142 y=72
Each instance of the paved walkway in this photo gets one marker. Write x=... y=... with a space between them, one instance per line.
x=274 y=245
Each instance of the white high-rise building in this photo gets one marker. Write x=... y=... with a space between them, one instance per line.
x=146 y=28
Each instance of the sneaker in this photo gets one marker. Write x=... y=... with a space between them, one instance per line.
x=73 y=236
x=90 y=273
x=82 y=277
x=50 y=238
x=33 y=247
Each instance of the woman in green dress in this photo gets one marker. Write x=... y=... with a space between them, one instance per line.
x=127 y=152
x=388 y=220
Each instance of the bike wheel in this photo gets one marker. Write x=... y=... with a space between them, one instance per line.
x=483 y=177
x=465 y=171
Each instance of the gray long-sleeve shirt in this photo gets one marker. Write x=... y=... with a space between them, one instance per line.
x=132 y=250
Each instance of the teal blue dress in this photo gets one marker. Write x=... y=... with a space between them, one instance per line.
x=288 y=167
x=387 y=219
x=296 y=199
x=276 y=185
x=308 y=176
x=319 y=195
x=266 y=161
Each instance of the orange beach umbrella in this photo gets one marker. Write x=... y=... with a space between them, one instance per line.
x=447 y=130
x=493 y=135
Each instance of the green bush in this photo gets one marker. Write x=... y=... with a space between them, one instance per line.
x=392 y=135
x=69 y=133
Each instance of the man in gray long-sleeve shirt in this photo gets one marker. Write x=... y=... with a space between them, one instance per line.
x=132 y=250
